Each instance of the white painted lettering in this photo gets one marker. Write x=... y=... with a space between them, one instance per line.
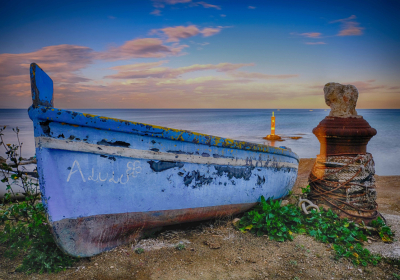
x=72 y=171
x=113 y=180
x=101 y=180
x=132 y=169
x=91 y=177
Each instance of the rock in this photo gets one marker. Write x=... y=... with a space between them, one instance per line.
x=342 y=99
x=389 y=251
x=235 y=222
x=284 y=202
x=212 y=245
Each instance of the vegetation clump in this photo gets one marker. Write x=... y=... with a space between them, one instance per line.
x=24 y=224
x=346 y=237
x=139 y=250
x=180 y=247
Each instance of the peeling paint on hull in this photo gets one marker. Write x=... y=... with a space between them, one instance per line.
x=103 y=180
x=88 y=236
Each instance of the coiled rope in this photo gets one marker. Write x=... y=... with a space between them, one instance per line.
x=302 y=205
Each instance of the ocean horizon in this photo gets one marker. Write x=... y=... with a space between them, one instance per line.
x=249 y=125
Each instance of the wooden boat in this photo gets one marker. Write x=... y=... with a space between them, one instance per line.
x=104 y=180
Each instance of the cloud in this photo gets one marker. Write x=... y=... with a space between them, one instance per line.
x=173 y=2
x=349 y=27
x=55 y=59
x=366 y=86
x=206 y=5
x=222 y=15
x=251 y=7
x=156 y=12
x=260 y=75
x=210 y=31
x=111 y=17
x=180 y=32
x=344 y=19
x=160 y=4
x=176 y=33
x=64 y=62
x=140 y=48
x=311 y=35
x=138 y=66
x=146 y=70
x=315 y=43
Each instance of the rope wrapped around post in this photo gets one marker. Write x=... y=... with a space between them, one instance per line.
x=346 y=184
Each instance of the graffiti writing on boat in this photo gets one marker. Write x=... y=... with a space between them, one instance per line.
x=132 y=169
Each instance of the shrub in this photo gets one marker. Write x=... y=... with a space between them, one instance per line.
x=26 y=230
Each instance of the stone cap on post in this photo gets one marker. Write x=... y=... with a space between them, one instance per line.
x=343 y=131
x=342 y=99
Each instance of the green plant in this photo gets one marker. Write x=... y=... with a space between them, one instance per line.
x=279 y=223
x=25 y=224
x=139 y=250
x=306 y=190
x=395 y=275
x=180 y=247
x=270 y=218
x=384 y=231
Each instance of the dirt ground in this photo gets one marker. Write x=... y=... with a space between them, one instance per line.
x=216 y=250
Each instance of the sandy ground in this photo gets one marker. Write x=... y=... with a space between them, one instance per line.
x=216 y=250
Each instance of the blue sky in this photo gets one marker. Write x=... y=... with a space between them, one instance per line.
x=201 y=54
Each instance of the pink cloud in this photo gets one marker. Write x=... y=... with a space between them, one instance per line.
x=349 y=28
x=143 y=70
x=344 y=19
x=176 y=33
x=173 y=2
x=138 y=66
x=251 y=7
x=206 y=5
x=260 y=76
x=162 y=3
x=366 y=86
x=56 y=59
x=311 y=35
x=180 y=32
x=140 y=48
x=64 y=62
x=210 y=31
x=159 y=4
x=315 y=43
x=156 y=12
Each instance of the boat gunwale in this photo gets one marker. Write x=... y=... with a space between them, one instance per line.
x=45 y=113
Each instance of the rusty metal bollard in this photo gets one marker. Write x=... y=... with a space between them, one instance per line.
x=342 y=177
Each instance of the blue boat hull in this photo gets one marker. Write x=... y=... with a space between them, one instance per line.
x=103 y=180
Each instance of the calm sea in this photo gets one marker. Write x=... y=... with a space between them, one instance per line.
x=241 y=124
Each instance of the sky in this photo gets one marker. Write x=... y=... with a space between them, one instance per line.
x=196 y=54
